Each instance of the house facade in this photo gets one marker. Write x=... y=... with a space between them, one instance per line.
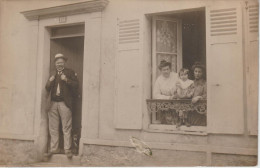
x=115 y=47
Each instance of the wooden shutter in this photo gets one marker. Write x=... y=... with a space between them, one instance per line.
x=128 y=113
x=224 y=67
x=251 y=35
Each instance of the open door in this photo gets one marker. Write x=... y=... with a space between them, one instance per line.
x=69 y=41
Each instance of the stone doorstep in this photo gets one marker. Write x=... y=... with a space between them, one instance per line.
x=61 y=159
x=48 y=164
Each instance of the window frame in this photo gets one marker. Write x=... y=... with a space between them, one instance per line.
x=162 y=128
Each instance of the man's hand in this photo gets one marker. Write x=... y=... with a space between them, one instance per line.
x=63 y=77
x=52 y=78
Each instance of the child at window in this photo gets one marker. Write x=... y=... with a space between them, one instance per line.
x=183 y=85
x=183 y=91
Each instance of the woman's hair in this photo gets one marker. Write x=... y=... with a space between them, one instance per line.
x=164 y=63
x=201 y=66
x=198 y=65
x=184 y=70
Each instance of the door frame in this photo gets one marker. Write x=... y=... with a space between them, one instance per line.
x=91 y=73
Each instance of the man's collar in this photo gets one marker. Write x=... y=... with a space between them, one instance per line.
x=60 y=70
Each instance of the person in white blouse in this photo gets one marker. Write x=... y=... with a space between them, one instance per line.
x=165 y=84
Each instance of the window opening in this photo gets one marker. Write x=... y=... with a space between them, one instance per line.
x=180 y=39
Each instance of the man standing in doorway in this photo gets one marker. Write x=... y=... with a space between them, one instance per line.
x=62 y=85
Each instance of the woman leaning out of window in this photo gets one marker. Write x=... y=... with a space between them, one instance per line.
x=165 y=84
x=199 y=89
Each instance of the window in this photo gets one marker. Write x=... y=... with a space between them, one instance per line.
x=180 y=39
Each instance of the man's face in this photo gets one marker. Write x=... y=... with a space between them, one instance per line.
x=166 y=71
x=60 y=63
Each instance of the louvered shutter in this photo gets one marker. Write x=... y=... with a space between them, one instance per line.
x=251 y=12
x=128 y=112
x=225 y=67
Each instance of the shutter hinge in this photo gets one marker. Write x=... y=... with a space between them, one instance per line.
x=246 y=7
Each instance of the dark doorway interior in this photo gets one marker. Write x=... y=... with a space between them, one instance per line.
x=193 y=38
x=71 y=45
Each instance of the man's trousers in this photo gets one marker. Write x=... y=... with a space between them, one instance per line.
x=59 y=111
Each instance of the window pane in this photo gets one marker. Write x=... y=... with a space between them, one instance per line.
x=166 y=36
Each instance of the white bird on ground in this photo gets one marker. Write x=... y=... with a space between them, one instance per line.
x=140 y=146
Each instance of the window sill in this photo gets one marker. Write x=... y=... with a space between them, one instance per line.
x=193 y=130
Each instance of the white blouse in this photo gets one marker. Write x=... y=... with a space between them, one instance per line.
x=164 y=87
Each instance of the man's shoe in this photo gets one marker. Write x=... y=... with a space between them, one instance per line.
x=69 y=155
x=47 y=156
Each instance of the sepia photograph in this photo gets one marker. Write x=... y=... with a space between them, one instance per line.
x=129 y=83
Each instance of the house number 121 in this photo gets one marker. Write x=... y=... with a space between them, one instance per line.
x=62 y=19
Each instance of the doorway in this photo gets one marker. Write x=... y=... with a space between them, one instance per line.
x=69 y=40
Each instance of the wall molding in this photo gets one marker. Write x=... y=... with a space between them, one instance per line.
x=175 y=146
x=17 y=137
x=66 y=10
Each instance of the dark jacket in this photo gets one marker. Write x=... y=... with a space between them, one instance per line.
x=69 y=89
